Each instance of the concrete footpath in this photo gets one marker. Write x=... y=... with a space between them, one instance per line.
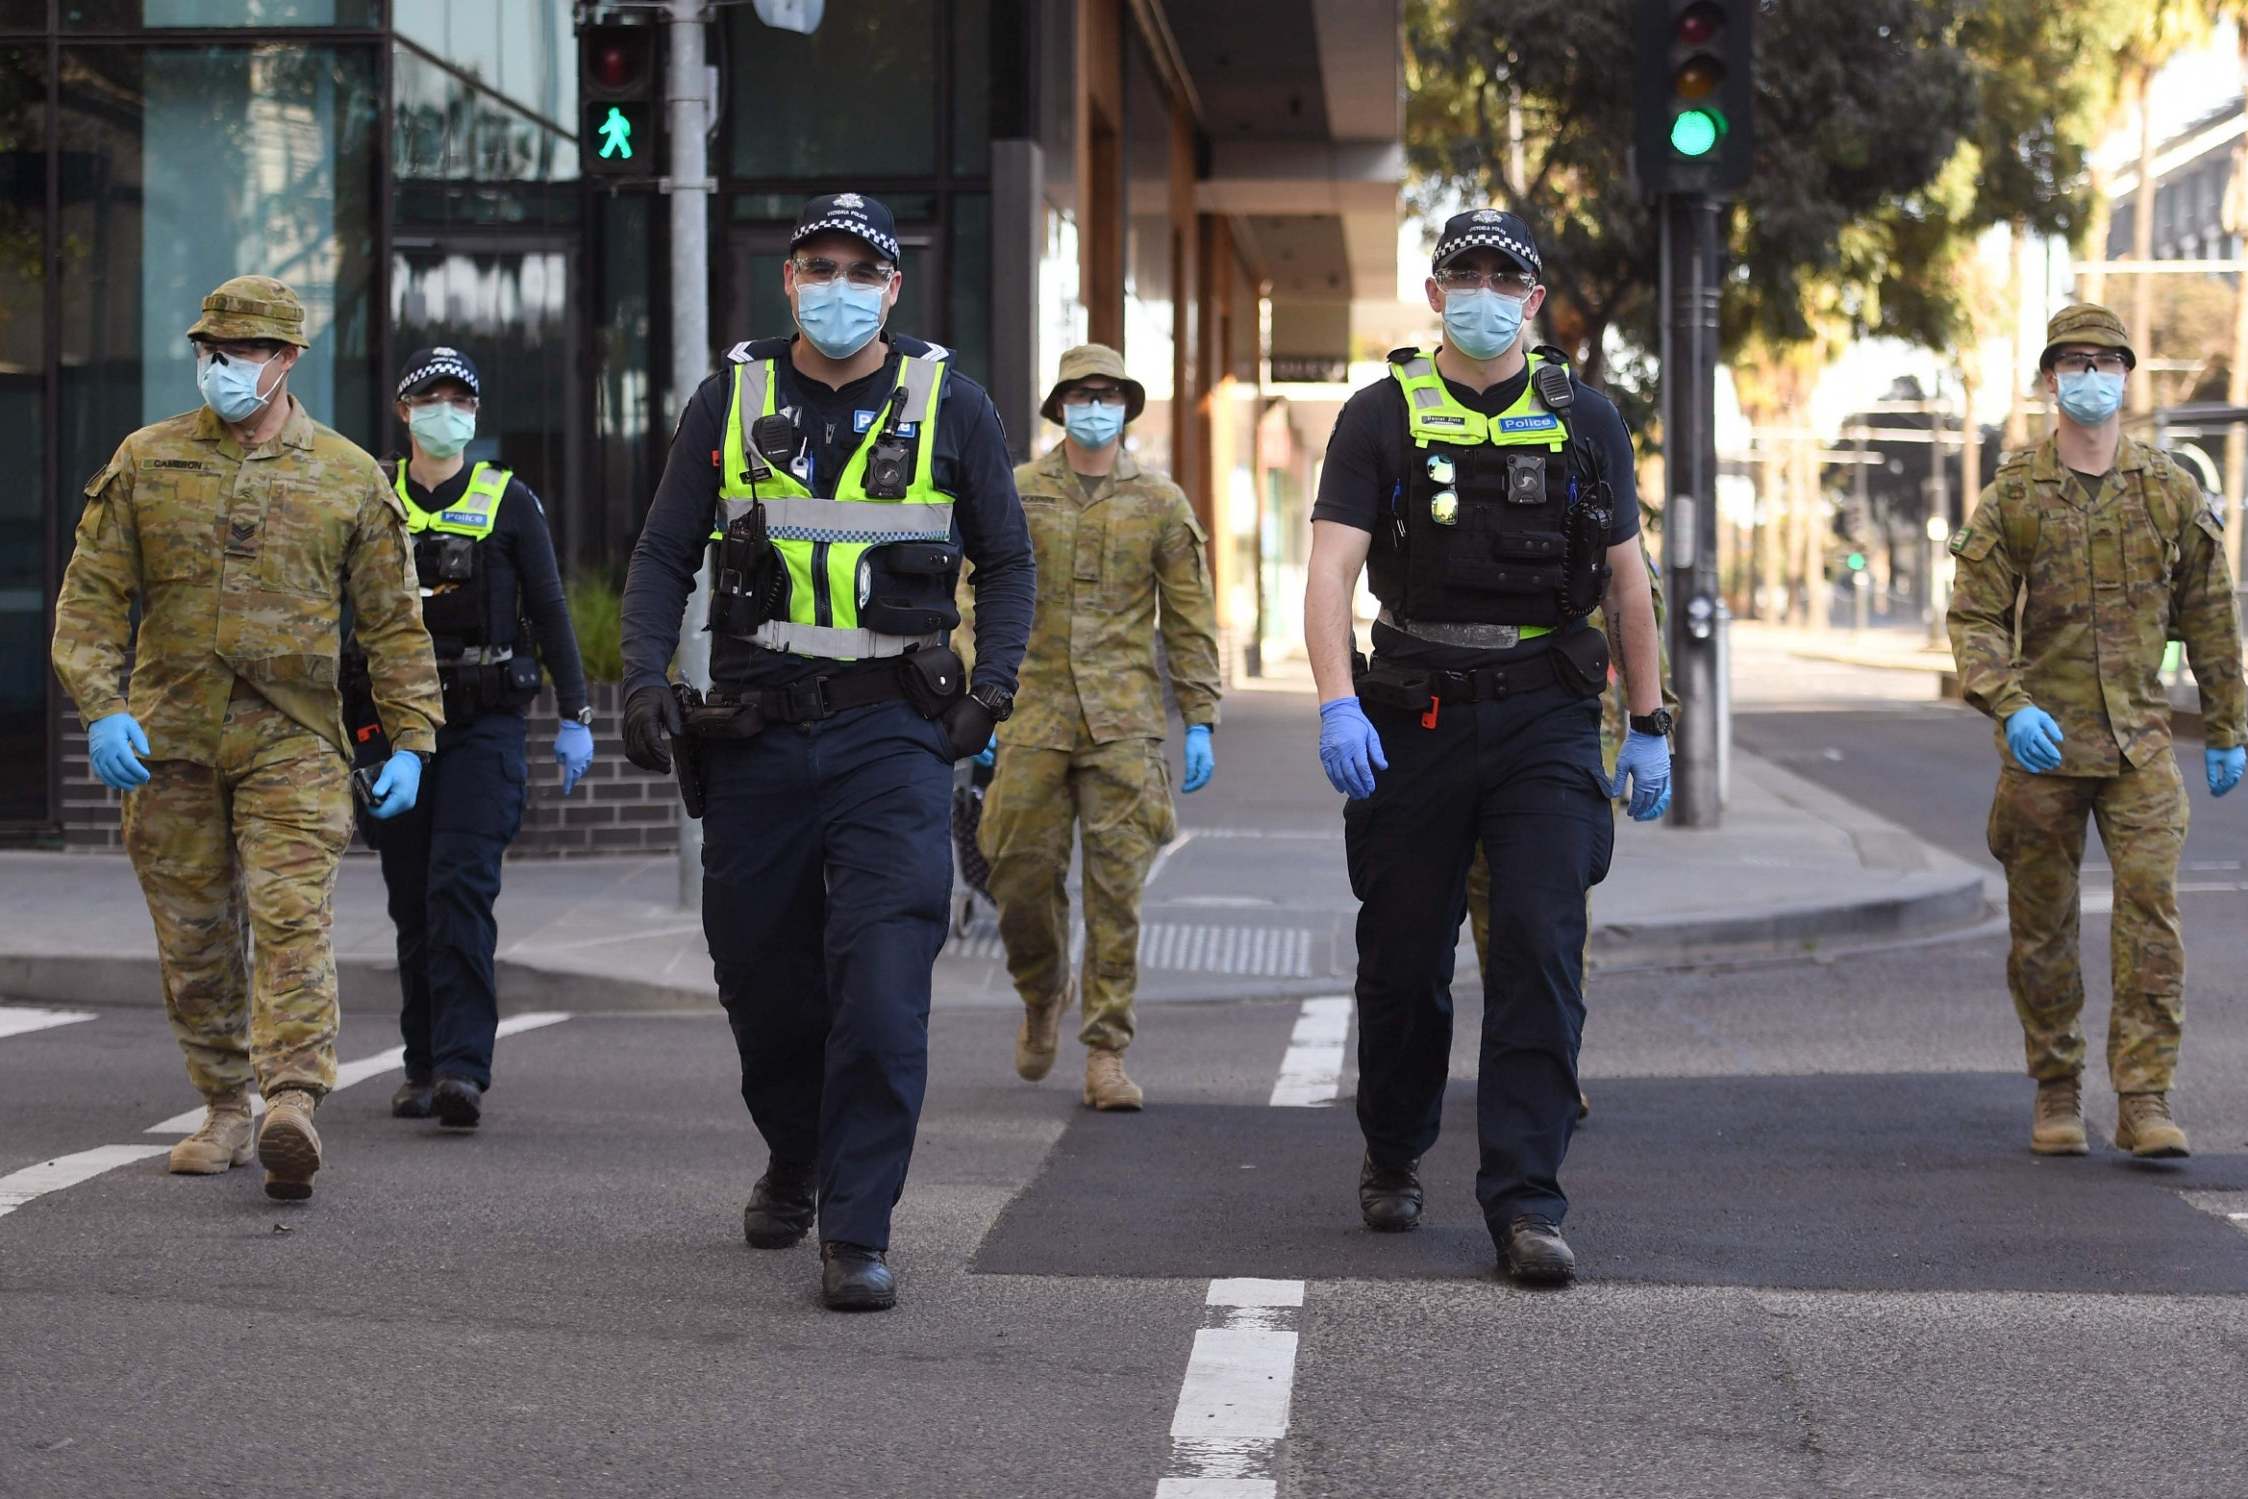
x=1251 y=901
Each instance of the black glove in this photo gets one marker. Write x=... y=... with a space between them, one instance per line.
x=651 y=717
x=968 y=725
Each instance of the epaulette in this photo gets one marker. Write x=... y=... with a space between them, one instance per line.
x=1401 y=354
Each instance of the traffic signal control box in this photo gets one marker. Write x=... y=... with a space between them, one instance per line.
x=1696 y=96
x=620 y=86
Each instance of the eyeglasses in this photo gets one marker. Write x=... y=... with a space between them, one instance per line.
x=2079 y=364
x=820 y=271
x=1515 y=285
x=1093 y=395
x=434 y=398
x=248 y=351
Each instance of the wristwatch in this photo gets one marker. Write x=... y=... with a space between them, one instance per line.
x=1659 y=723
x=996 y=701
x=584 y=716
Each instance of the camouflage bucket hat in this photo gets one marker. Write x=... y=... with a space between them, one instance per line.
x=252 y=307
x=1088 y=362
x=2089 y=324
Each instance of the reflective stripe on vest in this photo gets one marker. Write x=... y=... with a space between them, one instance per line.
x=473 y=515
x=1436 y=417
x=823 y=542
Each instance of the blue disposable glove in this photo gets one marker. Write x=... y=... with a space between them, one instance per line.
x=1201 y=760
x=1644 y=761
x=2224 y=767
x=1349 y=748
x=397 y=786
x=988 y=756
x=2034 y=740
x=110 y=743
x=573 y=751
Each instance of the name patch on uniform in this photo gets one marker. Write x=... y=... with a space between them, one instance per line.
x=192 y=465
x=1543 y=423
x=1441 y=420
x=861 y=420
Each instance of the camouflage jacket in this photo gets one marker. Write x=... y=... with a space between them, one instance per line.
x=241 y=563
x=2101 y=588
x=1104 y=565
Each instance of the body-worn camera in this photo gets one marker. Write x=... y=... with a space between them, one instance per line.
x=889 y=468
x=445 y=559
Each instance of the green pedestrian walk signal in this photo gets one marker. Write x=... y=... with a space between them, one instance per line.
x=616 y=135
x=620 y=79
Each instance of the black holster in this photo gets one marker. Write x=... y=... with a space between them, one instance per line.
x=686 y=750
x=370 y=745
x=748 y=581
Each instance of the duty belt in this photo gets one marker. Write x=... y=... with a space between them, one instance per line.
x=1413 y=690
x=728 y=713
x=1474 y=637
x=482 y=655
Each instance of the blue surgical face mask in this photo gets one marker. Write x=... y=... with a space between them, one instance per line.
x=2090 y=398
x=1481 y=324
x=441 y=430
x=839 y=318
x=1093 y=426
x=230 y=386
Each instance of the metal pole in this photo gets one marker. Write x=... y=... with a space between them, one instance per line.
x=687 y=117
x=1939 y=505
x=1690 y=288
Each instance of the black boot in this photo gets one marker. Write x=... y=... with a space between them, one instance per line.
x=458 y=1103
x=781 y=1205
x=1535 y=1254
x=1389 y=1197
x=411 y=1101
x=854 y=1278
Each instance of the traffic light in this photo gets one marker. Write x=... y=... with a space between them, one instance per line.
x=619 y=82
x=1695 y=97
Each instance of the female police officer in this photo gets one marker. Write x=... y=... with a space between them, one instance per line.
x=489 y=588
x=1490 y=496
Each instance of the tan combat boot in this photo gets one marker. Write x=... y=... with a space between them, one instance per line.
x=2144 y=1127
x=1106 y=1086
x=1040 y=1034
x=288 y=1146
x=2057 y=1126
x=222 y=1142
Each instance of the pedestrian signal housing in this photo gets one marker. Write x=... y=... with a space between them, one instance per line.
x=1696 y=95
x=619 y=83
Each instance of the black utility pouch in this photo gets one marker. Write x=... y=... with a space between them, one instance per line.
x=1580 y=661
x=521 y=672
x=934 y=678
x=1394 y=688
x=908 y=588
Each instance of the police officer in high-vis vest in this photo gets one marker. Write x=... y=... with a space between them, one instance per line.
x=836 y=482
x=1489 y=495
x=493 y=605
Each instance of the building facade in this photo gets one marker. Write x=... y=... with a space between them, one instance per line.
x=1204 y=186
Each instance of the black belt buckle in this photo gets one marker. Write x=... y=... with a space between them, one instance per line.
x=806 y=700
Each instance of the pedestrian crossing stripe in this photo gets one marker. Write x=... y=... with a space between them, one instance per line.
x=1189 y=947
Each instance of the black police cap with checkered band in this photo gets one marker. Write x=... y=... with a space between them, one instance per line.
x=1488 y=229
x=848 y=213
x=426 y=367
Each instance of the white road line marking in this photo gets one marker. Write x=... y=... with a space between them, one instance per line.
x=350 y=1073
x=21 y=1020
x=20 y=1187
x=1312 y=1072
x=1233 y=1406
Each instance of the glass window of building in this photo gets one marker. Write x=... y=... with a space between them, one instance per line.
x=25 y=548
x=857 y=98
x=133 y=15
x=1150 y=339
x=186 y=166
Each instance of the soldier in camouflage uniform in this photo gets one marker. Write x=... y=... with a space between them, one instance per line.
x=1084 y=746
x=241 y=529
x=2107 y=549
x=1613 y=713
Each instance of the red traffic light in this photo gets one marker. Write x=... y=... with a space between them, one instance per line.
x=612 y=65
x=1698 y=24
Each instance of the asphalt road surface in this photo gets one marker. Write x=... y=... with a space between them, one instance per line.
x=1818 y=1258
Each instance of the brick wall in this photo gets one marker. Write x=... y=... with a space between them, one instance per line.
x=617 y=808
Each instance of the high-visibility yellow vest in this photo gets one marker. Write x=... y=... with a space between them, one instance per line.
x=472 y=515
x=824 y=543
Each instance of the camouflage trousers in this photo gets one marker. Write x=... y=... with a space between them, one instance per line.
x=247 y=849
x=2037 y=833
x=1613 y=723
x=1119 y=794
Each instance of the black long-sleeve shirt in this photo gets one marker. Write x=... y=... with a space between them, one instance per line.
x=524 y=580
x=970 y=463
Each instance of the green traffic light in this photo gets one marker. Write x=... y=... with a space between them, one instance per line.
x=1857 y=561
x=1694 y=133
x=616 y=135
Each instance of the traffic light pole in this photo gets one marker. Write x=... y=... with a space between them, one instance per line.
x=1690 y=271
x=687 y=107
